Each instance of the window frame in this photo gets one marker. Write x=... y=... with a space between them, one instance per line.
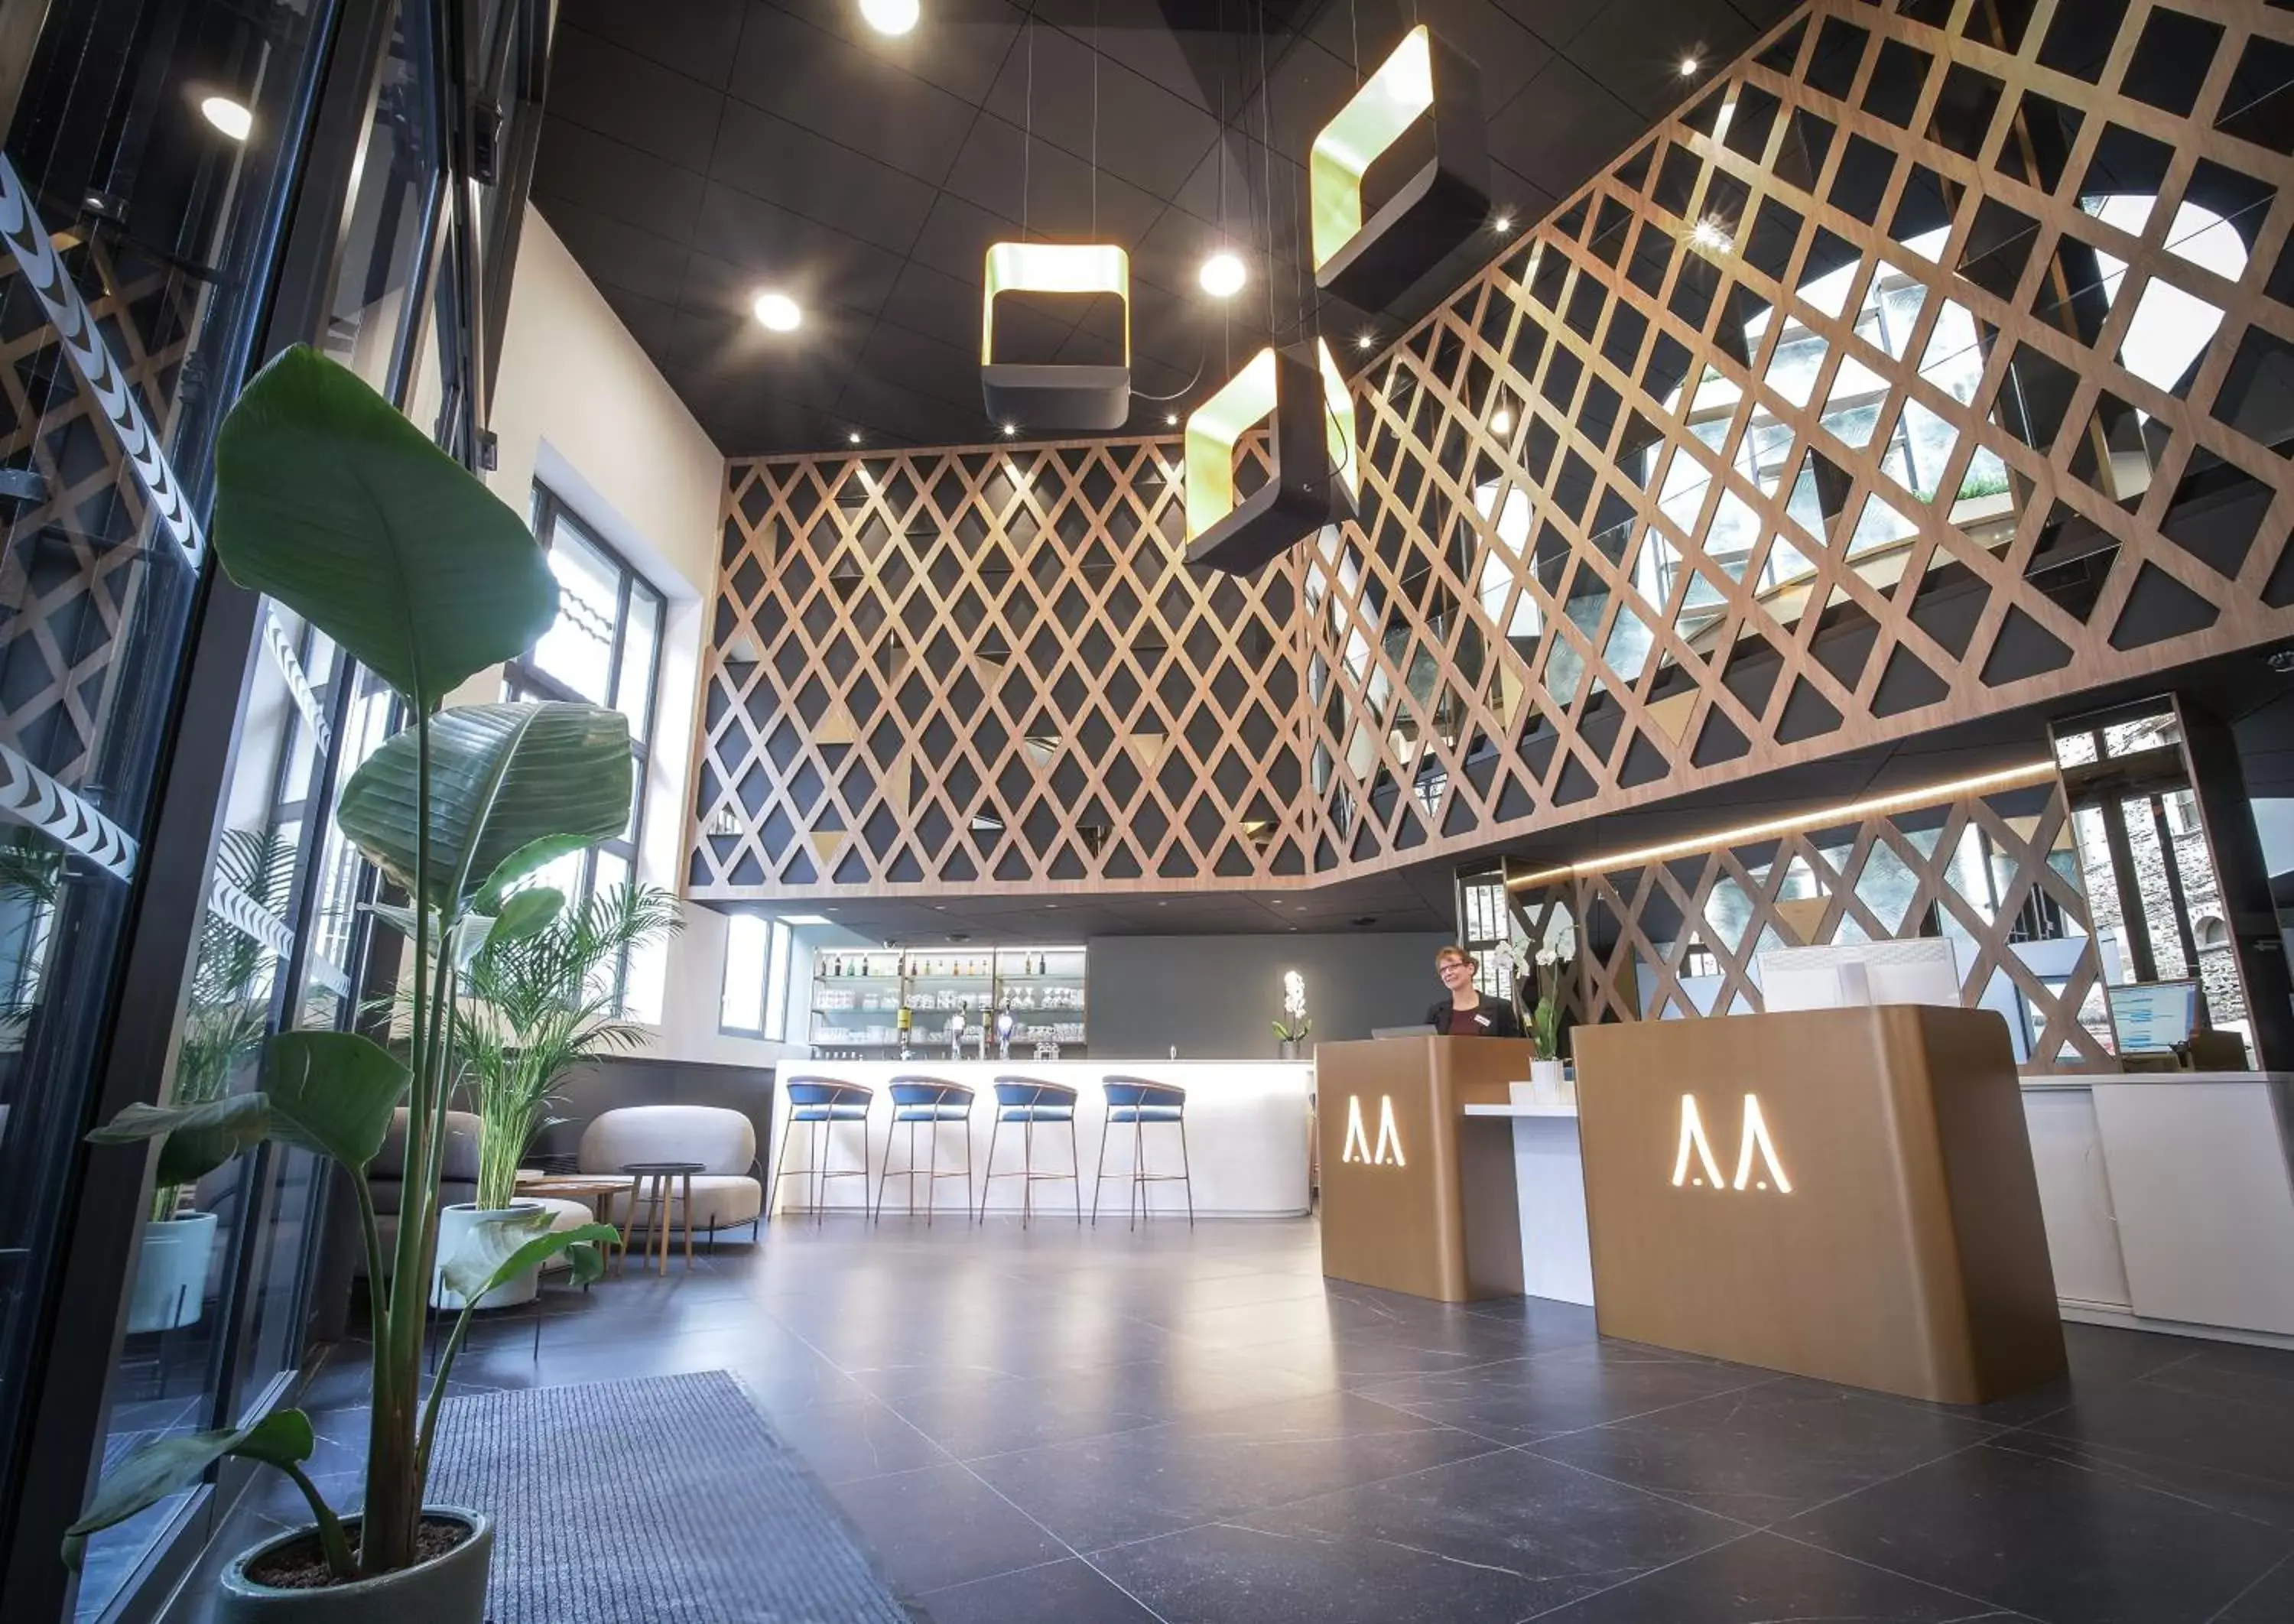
x=522 y=679
x=775 y=974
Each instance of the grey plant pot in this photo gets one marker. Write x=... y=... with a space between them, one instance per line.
x=450 y=1589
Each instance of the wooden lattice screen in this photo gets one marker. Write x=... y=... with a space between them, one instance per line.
x=1994 y=873
x=1939 y=358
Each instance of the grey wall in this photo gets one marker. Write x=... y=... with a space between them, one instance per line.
x=594 y=1090
x=1215 y=995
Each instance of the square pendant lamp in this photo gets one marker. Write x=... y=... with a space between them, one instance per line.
x=1371 y=263
x=1052 y=395
x=1300 y=394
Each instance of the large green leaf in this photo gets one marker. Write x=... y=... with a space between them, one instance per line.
x=525 y=914
x=170 y=1466
x=502 y=777
x=331 y=500
x=195 y=1140
x=521 y=862
x=500 y=1250
x=333 y=1093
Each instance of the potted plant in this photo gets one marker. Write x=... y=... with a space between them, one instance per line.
x=334 y=504
x=1294 y=1008
x=538 y=1005
x=1547 y=1074
x=227 y=1012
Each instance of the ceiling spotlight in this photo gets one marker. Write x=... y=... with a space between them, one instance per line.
x=1222 y=275
x=779 y=311
x=1170 y=419
x=891 y=16
x=1366 y=341
x=1688 y=67
x=1011 y=429
x=1709 y=233
x=231 y=118
x=1502 y=224
x=853 y=438
x=1502 y=422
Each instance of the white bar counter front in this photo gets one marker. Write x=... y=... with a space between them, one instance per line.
x=1249 y=1138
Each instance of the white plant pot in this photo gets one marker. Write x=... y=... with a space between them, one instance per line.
x=1547 y=1080
x=171 y=1273
x=454 y=1226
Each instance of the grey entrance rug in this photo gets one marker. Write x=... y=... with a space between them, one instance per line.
x=662 y=1499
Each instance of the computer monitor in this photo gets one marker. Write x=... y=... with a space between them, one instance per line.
x=2152 y=1017
x=1915 y=970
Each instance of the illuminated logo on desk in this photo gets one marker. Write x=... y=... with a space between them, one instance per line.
x=1694 y=1162
x=1358 y=1147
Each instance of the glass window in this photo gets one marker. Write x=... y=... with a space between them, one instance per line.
x=147 y=167
x=776 y=981
x=758 y=952
x=742 y=1008
x=603 y=649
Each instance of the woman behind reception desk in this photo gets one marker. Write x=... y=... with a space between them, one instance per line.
x=1465 y=1012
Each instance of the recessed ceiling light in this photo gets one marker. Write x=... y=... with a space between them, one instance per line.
x=1688 y=67
x=231 y=118
x=1709 y=235
x=1366 y=341
x=891 y=16
x=802 y=918
x=1170 y=419
x=779 y=311
x=1222 y=275
x=853 y=438
x=1502 y=422
x=1011 y=429
x=1502 y=224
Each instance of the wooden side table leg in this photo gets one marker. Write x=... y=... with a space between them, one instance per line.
x=689 y=1223
x=629 y=1224
x=661 y=1220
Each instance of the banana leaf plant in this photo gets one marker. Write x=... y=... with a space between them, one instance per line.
x=330 y=501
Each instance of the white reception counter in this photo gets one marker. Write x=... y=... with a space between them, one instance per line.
x=2170 y=1197
x=1247 y=1137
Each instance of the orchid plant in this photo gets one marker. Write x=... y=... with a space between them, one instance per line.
x=1294 y=1009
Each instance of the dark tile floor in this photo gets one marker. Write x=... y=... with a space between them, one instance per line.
x=1069 y=1427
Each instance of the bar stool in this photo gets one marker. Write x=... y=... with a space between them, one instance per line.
x=822 y=1102
x=919 y=1099
x=1027 y=1101
x=1134 y=1102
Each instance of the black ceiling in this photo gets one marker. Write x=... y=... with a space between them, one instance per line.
x=695 y=151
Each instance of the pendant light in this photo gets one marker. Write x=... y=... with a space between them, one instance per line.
x=1300 y=394
x=1050 y=395
x=1444 y=202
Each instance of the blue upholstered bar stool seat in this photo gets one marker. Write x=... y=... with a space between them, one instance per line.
x=820 y=1103
x=919 y=1102
x=1028 y=1101
x=1135 y=1102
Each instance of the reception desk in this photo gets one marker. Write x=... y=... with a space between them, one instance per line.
x=1246 y=1137
x=2170 y=1197
x=1417 y=1196
x=1845 y=1194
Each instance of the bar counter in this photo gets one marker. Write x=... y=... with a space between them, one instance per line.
x=1247 y=1138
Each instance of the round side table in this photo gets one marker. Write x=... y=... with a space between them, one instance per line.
x=659 y=1174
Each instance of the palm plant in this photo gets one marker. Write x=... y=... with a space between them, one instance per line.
x=334 y=504
x=229 y=1013
x=542 y=1004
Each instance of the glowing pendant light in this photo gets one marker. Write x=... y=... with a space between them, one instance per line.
x=1300 y=394
x=1055 y=395
x=1371 y=263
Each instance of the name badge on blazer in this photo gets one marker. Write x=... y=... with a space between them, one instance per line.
x=1481 y=1020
